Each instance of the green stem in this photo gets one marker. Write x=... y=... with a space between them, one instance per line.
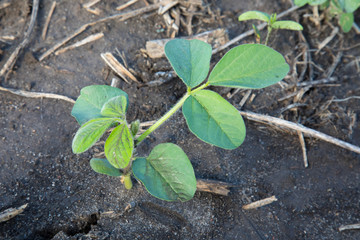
x=268 y=35
x=127 y=181
x=199 y=88
x=169 y=113
x=163 y=119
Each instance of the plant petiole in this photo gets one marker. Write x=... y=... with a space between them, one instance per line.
x=199 y=88
x=162 y=119
x=173 y=110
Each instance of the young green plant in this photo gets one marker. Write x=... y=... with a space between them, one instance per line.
x=167 y=172
x=344 y=9
x=272 y=22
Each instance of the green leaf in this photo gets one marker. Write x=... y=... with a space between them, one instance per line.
x=346 y=21
x=336 y=8
x=272 y=18
x=119 y=146
x=190 y=60
x=89 y=133
x=101 y=165
x=350 y=6
x=254 y=15
x=290 y=25
x=91 y=99
x=214 y=120
x=249 y=66
x=115 y=107
x=166 y=173
x=316 y=2
x=300 y=3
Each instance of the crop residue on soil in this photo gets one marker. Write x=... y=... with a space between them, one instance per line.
x=67 y=200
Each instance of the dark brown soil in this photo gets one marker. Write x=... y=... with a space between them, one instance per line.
x=67 y=200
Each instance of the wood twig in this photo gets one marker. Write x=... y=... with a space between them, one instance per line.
x=120 y=17
x=260 y=203
x=37 y=94
x=91 y=3
x=115 y=82
x=336 y=62
x=5 y=4
x=328 y=39
x=231 y=95
x=125 y=5
x=345 y=99
x=245 y=98
x=89 y=7
x=317 y=82
x=117 y=67
x=298 y=127
x=307 y=59
x=303 y=148
x=80 y=43
x=166 y=7
x=12 y=59
x=212 y=186
x=11 y=212
x=250 y=32
x=47 y=22
x=217 y=37
x=349 y=227
x=7 y=38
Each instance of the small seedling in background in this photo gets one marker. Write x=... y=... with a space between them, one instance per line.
x=343 y=9
x=272 y=22
x=167 y=172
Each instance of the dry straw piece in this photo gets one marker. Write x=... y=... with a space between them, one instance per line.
x=11 y=212
x=120 y=70
x=260 y=203
x=47 y=22
x=80 y=43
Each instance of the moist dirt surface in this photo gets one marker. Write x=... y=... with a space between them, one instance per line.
x=67 y=200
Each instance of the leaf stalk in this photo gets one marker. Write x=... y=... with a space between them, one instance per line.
x=173 y=110
x=162 y=119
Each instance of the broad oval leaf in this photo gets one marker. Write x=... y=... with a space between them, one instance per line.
x=119 y=146
x=351 y=5
x=89 y=133
x=249 y=66
x=101 y=165
x=115 y=107
x=316 y=2
x=190 y=60
x=290 y=25
x=214 y=120
x=346 y=21
x=254 y=15
x=301 y=3
x=166 y=173
x=91 y=100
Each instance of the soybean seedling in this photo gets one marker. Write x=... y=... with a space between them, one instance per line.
x=167 y=172
x=343 y=9
x=272 y=22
